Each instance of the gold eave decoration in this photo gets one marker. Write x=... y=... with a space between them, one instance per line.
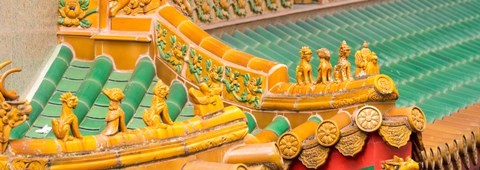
x=313 y=155
x=351 y=142
x=395 y=134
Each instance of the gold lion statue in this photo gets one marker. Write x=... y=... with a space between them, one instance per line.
x=115 y=117
x=304 y=69
x=325 y=67
x=342 y=69
x=159 y=108
x=68 y=121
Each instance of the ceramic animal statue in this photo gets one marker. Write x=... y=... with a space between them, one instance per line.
x=304 y=69
x=159 y=109
x=398 y=163
x=372 y=65
x=12 y=111
x=342 y=69
x=68 y=122
x=206 y=100
x=133 y=7
x=361 y=60
x=325 y=67
x=115 y=117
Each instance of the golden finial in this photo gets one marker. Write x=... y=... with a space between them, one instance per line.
x=114 y=94
x=365 y=44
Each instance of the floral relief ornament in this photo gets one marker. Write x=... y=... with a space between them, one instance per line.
x=368 y=118
x=74 y=13
x=327 y=133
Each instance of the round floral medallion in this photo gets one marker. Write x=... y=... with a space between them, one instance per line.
x=384 y=84
x=417 y=119
x=327 y=133
x=368 y=118
x=289 y=145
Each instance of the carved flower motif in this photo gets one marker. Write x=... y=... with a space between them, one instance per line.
x=288 y=146
x=417 y=119
x=369 y=119
x=73 y=13
x=327 y=134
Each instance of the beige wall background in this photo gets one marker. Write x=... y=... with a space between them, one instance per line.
x=27 y=37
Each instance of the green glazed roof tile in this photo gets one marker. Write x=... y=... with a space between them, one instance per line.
x=31 y=133
x=42 y=121
x=114 y=84
x=136 y=123
x=120 y=76
x=55 y=99
x=75 y=73
x=147 y=100
x=81 y=64
x=98 y=112
x=52 y=110
x=93 y=124
x=67 y=85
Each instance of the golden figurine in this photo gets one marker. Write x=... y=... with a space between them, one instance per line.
x=159 y=108
x=372 y=65
x=361 y=59
x=68 y=121
x=115 y=116
x=206 y=100
x=342 y=69
x=325 y=67
x=398 y=163
x=304 y=69
x=12 y=112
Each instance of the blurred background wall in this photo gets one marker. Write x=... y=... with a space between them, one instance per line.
x=27 y=37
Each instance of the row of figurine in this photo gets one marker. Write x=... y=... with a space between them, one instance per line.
x=365 y=61
x=205 y=101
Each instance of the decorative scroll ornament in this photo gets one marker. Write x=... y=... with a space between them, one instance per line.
x=203 y=10
x=12 y=112
x=252 y=91
x=272 y=4
x=174 y=53
x=368 y=118
x=350 y=145
x=185 y=7
x=256 y=6
x=239 y=7
x=133 y=7
x=74 y=13
x=396 y=136
x=314 y=155
x=327 y=133
x=222 y=8
x=28 y=164
x=289 y=145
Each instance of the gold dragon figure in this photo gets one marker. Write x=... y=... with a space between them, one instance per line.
x=342 y=69
x=206 y=100
x=159 y=109
x=325 y=67
x=304 y=69
x=12 y=111
x=68 y=122
x=133 y=7
x=115 y=117
x=398 y=163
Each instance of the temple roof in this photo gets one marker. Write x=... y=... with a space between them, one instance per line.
x=86 y=79
x=429 y=48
